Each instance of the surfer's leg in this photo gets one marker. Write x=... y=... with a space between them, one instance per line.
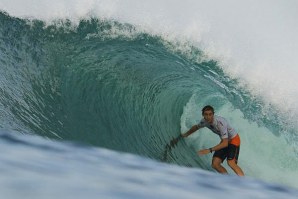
x=218 y=158
x=233 y=153
x=216 y=164
x=235 y=167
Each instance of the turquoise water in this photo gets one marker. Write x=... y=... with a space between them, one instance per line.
x=102 y=83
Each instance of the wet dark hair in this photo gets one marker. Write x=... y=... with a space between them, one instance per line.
x=207 y=108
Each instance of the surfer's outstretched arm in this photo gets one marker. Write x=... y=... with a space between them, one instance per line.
x=224 y=143
x=193 y=129
x=189 y=132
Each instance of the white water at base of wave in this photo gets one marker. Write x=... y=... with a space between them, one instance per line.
x=96 y=172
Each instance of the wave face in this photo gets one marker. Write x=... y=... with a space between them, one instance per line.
x=124 y=87
x=121 y=93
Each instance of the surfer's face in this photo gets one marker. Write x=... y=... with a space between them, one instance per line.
x=208 y=116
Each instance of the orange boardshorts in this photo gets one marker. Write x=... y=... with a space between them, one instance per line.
x=231 y=152
x=235 y=140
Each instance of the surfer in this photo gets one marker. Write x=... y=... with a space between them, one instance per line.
x=229 y=145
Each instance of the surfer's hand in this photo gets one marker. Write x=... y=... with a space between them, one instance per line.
x=203 y=151
x=175 y=141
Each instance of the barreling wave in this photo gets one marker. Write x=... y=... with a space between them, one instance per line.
x=107 y=84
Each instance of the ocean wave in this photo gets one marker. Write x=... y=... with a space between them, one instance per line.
x=109 y=84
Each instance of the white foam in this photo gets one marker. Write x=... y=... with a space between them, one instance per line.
x=38 y=168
